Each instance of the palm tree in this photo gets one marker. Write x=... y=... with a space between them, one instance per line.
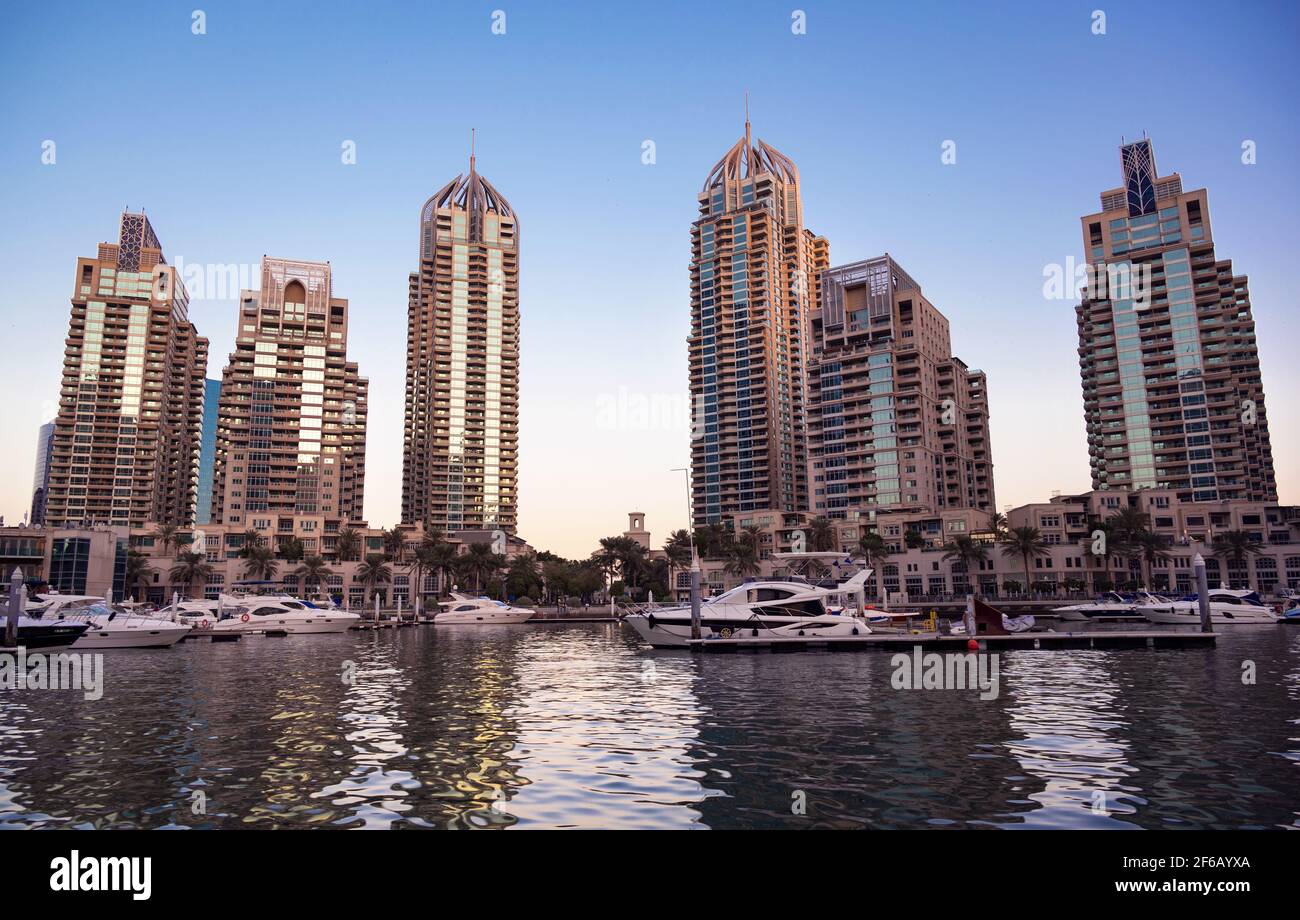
x=997 y=521
x=821 y=534
x=632 y=561
x=442 y=559
x=139 y=574
x=252 y=540
x=1024 y=542
x=373 y=572
x=313 y=568
x=608 y=556
x=260 y=564
x=423 y=560
x=348 y=545
x=743 y=561
x=165 y=534
x=1109 y=542
x=481 y=564
x=678 y=552
x=189 y=568
x=965 y=550
x=1152 y=547
x=1128 y=526
x=394 y=544
x=875 y=551
x=1235 y=546
x=522 y=579
x=913 y=539
x=292 y=549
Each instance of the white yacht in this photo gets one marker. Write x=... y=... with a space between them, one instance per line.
x=109 y=625
x=761 y=610
x=1111 y=605
x=262 y=614
x=464 y=609
x=1228 y=607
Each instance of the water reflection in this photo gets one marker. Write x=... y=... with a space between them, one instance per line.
x=579 y=726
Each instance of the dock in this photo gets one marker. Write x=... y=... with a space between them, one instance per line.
x=936 y=642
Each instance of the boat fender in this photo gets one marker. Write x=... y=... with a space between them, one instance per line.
x=650 y=621
x=244 y=618
x=855 y=630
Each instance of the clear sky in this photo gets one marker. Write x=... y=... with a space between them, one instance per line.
x=232 y=141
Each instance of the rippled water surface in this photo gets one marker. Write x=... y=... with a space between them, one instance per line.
x=578 y=726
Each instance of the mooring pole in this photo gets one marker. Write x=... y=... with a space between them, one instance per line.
x=1202 y=591
x=695 y=594
x=15 y=607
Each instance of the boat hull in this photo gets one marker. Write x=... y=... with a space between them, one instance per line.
x=675 y=631
x=1184 y=616
x=48 y=636
x=294 y=626
x=159 y=635
x=483 y=618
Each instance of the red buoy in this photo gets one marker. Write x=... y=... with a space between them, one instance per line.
x=972 y=645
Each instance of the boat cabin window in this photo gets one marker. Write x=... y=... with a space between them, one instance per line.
x=464 y=607
x=760 y=595
x=267 y=611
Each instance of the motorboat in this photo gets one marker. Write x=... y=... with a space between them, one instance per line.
x=1110 y=606
x=1228 y=607
x=761 y=610
x=46 y=635
x=481 y=610
x=111 y=626
x=260 y=615
x=107 y=625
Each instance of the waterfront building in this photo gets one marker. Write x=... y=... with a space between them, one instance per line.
x=754 y=276
x=1171 y=380
x=461 y=439
x=126 y=440
x=41 y=479
x=71 y=560
x=919 y=569
x=896 y=422
x=291 y=432
x=208 y=450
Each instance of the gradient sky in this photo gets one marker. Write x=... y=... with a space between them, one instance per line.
x=231 y=141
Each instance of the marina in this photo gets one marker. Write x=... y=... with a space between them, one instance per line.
x=581 y=725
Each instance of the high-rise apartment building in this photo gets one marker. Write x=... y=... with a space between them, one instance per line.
x=461 y=443
x=896 y=423
x=1171 y=380
x=291 y=435
x=754 y=275
x=41 y=479
x=126 y=440
x=208 y=450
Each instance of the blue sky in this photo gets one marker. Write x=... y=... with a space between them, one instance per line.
x=231 y=141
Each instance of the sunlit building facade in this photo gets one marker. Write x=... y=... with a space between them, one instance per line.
x=896 y=422
x=291 y=430
x=126 y=440
x=461 y=439
x=754 y=275
x=1172 y=392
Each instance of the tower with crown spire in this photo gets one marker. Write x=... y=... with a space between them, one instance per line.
x=754 y=281
x=460 y=446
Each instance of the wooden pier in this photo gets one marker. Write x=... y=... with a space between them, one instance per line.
x=935 y=642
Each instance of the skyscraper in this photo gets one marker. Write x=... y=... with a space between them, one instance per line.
x=1171 y=380
x=41 y=479
x=754 y=275
x=461 y=443
x=291 y=436
x=126 y=440
x=208 y=450
x=895 y=421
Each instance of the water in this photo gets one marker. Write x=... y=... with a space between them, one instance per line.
x=578 y=726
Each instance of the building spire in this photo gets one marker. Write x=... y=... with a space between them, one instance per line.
x=747 y=140
x=471 y=151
